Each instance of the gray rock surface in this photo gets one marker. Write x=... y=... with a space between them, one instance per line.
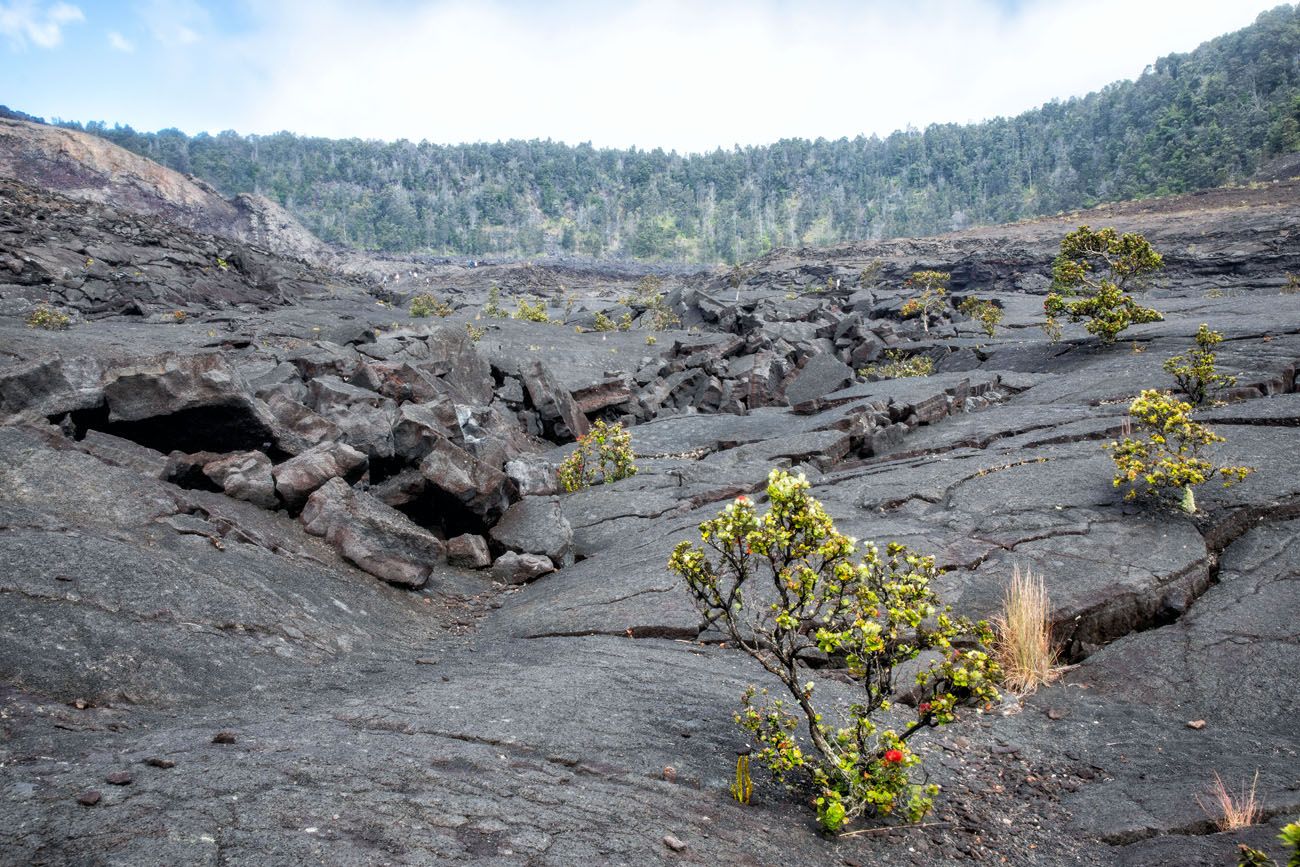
x=298 y=477
x=513 y=568
x=536 y=525
x=378 y=539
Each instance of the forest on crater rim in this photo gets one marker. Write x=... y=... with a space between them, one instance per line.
x=1191 y=121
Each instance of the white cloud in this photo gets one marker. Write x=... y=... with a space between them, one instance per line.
x=24 y=21
x=693 y=76
x=175 y=23
x=120 y=42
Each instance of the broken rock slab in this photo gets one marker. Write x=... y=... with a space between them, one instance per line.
x=512 y=568
x=481 y=487
x=468 y=551
x=378 y=539
x=298 y=477
x=245 y=476
x=536 y=525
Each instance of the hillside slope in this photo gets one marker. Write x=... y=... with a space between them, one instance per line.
x=91 y=169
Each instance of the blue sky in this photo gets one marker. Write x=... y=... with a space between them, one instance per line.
x=687 y=75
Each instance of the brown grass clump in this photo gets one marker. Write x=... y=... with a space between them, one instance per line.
x=1024 y=634
x=1231 y=811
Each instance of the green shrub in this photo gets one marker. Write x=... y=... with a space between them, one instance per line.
x=48 y=318
x=986 y=313
x=933 y=296
x=870 y=275
x=475 y=332
x=1167 y=460
x=1292 y=286
x=493 y=309
x=429 y=305
x=604 y=323
x=531 y=311
x=872 y=615
x=897 y=365
x=1194 y=370
x=604 y=454
x=1089 y=279
x=1290 y=837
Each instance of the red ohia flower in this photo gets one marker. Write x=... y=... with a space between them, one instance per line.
x=894 y=756
x=924 y=707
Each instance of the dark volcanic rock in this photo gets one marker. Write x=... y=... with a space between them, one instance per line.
x=496 y=715
x=298 y=477
x=482 y=488
x=512 y=568
x=535 y=525
x=245 y=476
x=468 y=551
x=821 y=375
x=377 y=538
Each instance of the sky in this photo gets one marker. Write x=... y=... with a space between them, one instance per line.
x=684 y=76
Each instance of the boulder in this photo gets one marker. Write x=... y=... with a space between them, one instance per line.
x=419 y=426
x=533 y=476
x=298 y=477
x=245 y=476
x=365 y=417
x=535 y=525
x=820 y=376
x=553 y=401
x=512 y=568
x=482 y=488
x=378 y=539
x=468 y=551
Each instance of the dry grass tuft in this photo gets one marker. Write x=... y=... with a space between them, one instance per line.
x=1024 y=628
x=1231 y=812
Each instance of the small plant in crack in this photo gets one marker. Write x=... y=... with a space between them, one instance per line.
x=898 y=364
x=1231 y=811
x=1194 y=371
x=48 y=318
x=817 y=595
x=1167 y=457
x=931 y=298
x=987 y=313
x=1024 y=634
x=427 y=304
x=604 y=454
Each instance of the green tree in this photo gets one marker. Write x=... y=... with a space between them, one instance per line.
x=1089 y=279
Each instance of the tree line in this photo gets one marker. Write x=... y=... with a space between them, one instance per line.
x=1190 y=121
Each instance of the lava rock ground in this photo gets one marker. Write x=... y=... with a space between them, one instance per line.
x=272 y=703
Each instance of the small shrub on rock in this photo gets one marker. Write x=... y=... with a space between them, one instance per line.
x=1089 y=279
x=531 y=311
x=48 y=318
x=1292 y=286
x=1167 y=458
x=603 y=455
x=493 y=309
x=898 y=364
x=871 y=614
x=986 y=313
x=604 y=323
x=475 y=332
x=1194 y=371
x=429 y=305
x=933 y=296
